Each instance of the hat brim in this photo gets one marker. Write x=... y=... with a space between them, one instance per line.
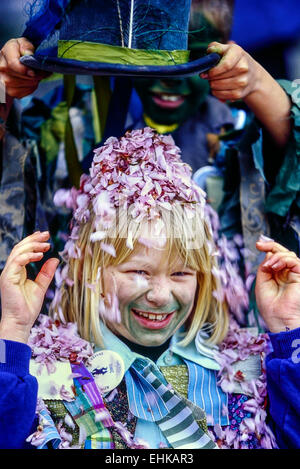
x=76 y=67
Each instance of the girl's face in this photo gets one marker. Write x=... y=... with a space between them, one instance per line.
x=154 y=301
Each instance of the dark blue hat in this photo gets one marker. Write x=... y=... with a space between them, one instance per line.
x=114 y=37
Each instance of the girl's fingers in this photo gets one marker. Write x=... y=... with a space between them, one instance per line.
x=45 y=275
x=270 y=246
x=277 y=258
x=17 y=263
x=37 y=235
x=33 y=246
x=29 y=243
x=274 y=258
x=282 y=261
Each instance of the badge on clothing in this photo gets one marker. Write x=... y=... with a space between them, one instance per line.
x=107 y=368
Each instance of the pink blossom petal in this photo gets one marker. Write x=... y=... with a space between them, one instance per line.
x=108 y=248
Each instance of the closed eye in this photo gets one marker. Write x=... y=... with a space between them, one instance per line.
x=138 y=272
x=181 y=274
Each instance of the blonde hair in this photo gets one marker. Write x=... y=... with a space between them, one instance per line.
x=186 y=236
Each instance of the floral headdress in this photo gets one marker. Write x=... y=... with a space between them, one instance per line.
x=141 y=170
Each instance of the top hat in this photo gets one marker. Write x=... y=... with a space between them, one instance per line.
x=115 y=38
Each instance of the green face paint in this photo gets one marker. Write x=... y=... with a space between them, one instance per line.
x=173 y=101
x=152 y=327
x=154 y=301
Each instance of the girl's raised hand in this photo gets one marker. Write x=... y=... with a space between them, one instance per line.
x=22 y=298
x=278 y=287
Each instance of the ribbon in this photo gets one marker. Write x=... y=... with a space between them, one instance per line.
x=86 y=51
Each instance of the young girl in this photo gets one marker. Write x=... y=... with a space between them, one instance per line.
x=140 y=352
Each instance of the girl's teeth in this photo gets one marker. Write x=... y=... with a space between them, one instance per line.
x=153 y=317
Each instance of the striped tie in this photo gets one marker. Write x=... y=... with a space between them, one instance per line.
x=175 y=418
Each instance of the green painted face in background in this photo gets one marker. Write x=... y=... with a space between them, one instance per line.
x=173 y=101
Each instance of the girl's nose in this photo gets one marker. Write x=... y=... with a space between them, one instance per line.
x=159 y=293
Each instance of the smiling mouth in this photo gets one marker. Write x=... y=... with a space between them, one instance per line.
x=168 y=100
x=152 y=320
x=151 y=316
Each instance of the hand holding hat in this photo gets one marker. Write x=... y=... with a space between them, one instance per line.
x=235 y=76
x=19 y=81
x=238 y=76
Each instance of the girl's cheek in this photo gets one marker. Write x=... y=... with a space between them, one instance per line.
x=185 y=292
x=127 y=291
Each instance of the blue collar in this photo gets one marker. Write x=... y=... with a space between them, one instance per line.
x=202 y=389
x=173 y=356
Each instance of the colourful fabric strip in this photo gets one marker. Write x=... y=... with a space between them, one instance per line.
x=182 y=431
x=144 y=401
x=86 y=409
x=71 y=154
x=206 y=394
x=49 y=430
x=100 y=440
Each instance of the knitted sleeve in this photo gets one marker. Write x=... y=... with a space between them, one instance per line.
x=283 y=381
x=18 y=394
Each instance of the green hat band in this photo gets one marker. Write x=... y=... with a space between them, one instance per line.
x=95 y=52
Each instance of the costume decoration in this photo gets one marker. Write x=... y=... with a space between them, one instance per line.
x=142 y=170
x=247 y=427
x=238 y=347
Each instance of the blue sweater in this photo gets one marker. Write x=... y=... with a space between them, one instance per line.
x=18 y=396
